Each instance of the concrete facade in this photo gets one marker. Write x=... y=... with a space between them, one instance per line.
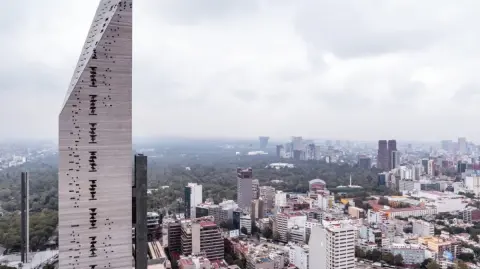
x=141 y=231
x=25 y=216
x=95 y=147
x=244 y=188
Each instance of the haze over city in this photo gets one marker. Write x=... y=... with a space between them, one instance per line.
x=349 y=70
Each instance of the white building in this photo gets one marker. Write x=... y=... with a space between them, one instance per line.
x=472 y=183
x=333 y=246
x=285 y=222
x=246 y=221
x=280 y=199
x=255 y=189
x=443 y=201
x=193 y=197
x=298 y=255
x=423 y=228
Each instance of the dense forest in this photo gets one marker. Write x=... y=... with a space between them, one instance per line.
x=216 y=174
x=43 y=205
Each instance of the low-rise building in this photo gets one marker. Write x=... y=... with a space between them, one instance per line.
x=412 y=254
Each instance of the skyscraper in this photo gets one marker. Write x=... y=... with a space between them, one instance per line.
x=193 y=197
x=394 y=159
x=95 y=147
x=462 y=145
x=25 y=223
x=392 y=146
x=244 y=187
x=263 y=141
x=382 y=157
x=139 y=209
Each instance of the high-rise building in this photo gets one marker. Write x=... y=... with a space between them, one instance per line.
x=263 y=141
x=256 y=211
x=425 y=165
x=431 y=167
x=334 y=245
x=394 y=159
x=280 y=151
x=95 y=147
x=202 y=236
x=392 y=146
x=267 y=194
x=462 y=145
x=255 y=188
x=244 y=187
x=310 y=152
x=382 y=157
x=24 y=214
x=139 y=208
x=193 y=197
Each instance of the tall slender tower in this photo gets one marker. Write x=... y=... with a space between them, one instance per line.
x=382 y=157
x=25 y=216
x=244 y=187
x=392 y=146
x=95 y=147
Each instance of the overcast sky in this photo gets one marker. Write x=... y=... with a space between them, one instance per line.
x=346 y=69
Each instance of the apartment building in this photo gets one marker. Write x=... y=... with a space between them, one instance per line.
x=423 y=228
x=333 y=245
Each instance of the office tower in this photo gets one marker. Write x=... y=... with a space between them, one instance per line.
x=462 y=145
x=174 y=235
x=392 y=146
x=202 y=235
x=255 y=188
x=193 y=197
x=364 y=162
x=280 y=151
x=334 y=246
x=140 y=211
x=267 y=194
x=263 y=141
x=244 y=187
x=461 y=167
x=382 y=179
x=209 y=209
x=25 y=216
x=382 y=157
x=257 y=209
x=425 y=165
x=394 y=159
x=95 y=147
x=297 y=143
x=310 y=153
x=431 y=168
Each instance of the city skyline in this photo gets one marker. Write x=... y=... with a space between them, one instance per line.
x=348 y=76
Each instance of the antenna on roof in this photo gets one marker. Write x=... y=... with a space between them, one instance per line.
x=350 y=179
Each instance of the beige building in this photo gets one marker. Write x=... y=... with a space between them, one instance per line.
x=202 y=236
x=95 y=147
x=356 y=212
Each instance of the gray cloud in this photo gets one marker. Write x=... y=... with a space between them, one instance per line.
x=201 y=68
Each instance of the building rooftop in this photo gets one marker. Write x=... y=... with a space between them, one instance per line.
x=207 y=224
